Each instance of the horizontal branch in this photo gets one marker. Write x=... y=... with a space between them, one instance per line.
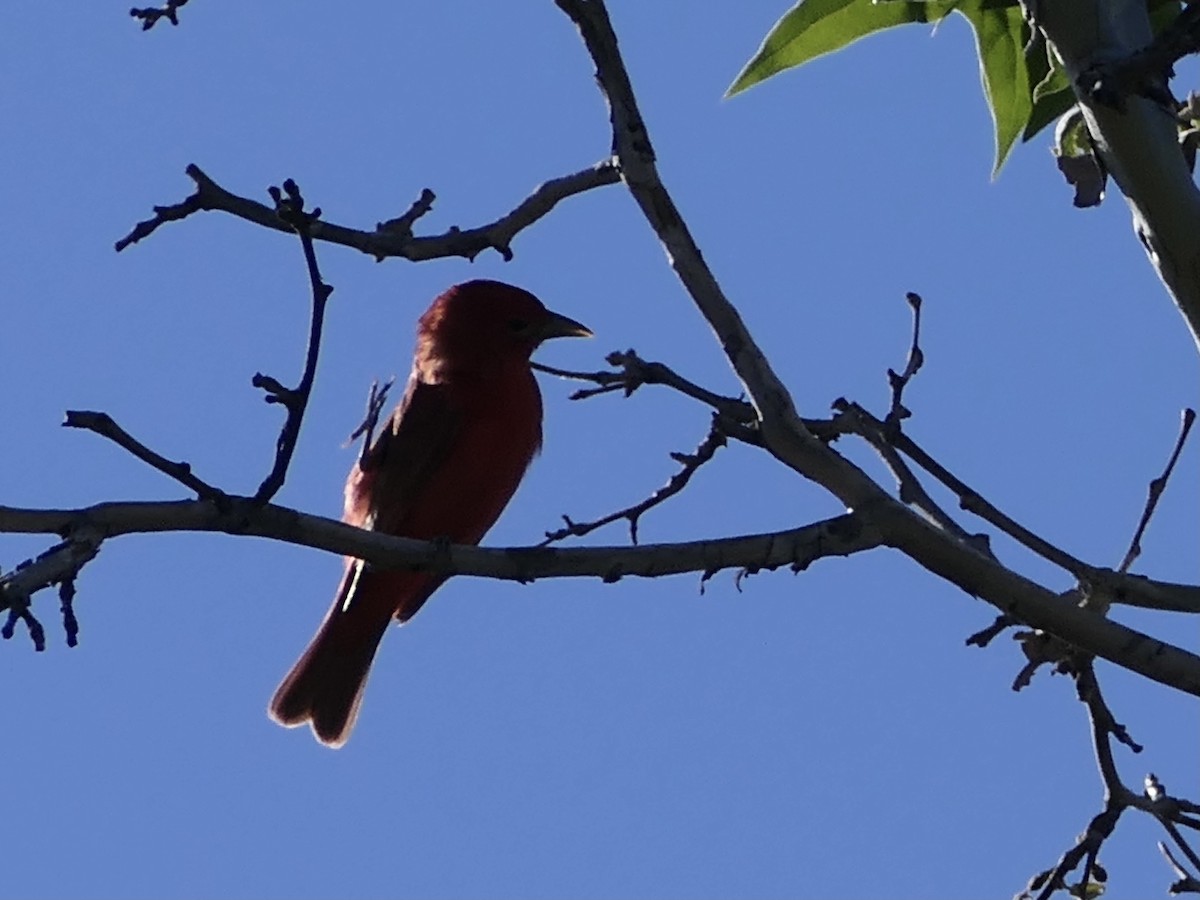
x=389 y=239
x=799 y=547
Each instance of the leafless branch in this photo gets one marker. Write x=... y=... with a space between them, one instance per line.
x=151 y=14
x=635 y=372
x=102 y=424
x=1117 y=798
x=985 y=636
x=1186 y=882
x=388 y=239
x=839 y=536
x=58 y=565
x=783 y=432
x=366 y=429
x=289 y=205
x=898 y=381
x=911 y=492
x=858 y=421
x=714 y=440
x=1097 y=832
x=1154 y=800
x=1157 y=486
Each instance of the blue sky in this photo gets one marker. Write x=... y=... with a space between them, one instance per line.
x=821 y=735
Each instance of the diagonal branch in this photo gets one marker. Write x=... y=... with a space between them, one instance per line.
x=714 y=440
x=784 y=434
x=1118 y=587
x=104 y=425
x=898 y=381
x=856 y=420
x=389 y=239
x=1157 y=486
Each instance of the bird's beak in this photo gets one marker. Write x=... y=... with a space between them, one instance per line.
x=556 y=326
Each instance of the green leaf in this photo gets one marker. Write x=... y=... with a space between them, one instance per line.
x=1053 y=95
x=1000 y=37
x=813 y=28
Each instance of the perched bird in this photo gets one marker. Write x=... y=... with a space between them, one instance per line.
x=443 y=467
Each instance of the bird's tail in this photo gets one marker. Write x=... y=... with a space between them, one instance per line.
x=325 y=687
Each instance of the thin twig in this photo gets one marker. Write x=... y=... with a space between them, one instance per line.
x=58 y=565
x=387 y=241
x=985 y=636
x=1186 y=882
x=150 y=14
x=911 y=491
x=290 y=206
x=739 y=419
x=366 y=429
x=690 y=462
x=1157 y=486
x=66 y=597
x=635 y=372
x=898 y=381
x=403 y=224
x=18 y=611
x=1104 y=723
x=102 y=424
x=1117 y=798
x=859 y=421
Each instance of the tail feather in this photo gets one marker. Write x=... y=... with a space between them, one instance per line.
x=325 y=687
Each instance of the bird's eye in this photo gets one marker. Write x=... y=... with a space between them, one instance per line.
x=517 y=325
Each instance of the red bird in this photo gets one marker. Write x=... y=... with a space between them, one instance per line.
x=444 y=467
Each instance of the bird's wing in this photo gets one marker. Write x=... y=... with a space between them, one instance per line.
x=416 y=440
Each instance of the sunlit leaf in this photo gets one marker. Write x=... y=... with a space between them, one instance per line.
x=1000 y=36
x=813 y=28
x=1052 y=96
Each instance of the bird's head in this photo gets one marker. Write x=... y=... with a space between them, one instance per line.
x=485 y=320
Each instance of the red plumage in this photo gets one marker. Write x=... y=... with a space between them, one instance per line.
x=444 y=466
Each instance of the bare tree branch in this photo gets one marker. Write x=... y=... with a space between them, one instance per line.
x=635 y=372
x=366 y=430
x=787 y=439
x=714 y=440
x=839 y=536
x=387 y=240
x=898 y=381
x=1117 y=797
x=1157 y=486
x=1118 y=587
x=289 y=205
x=58 y=565
x=151 y=14
x=855 y=419
x=102 y=424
